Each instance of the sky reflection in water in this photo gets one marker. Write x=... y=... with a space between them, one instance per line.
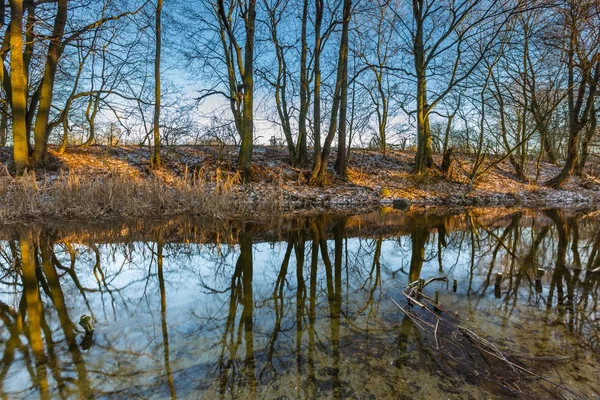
x=297 y=313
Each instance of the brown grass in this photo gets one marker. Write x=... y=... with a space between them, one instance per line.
x=123 y=195
x=101 y=183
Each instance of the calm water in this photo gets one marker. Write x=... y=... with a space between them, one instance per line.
x=302 y=308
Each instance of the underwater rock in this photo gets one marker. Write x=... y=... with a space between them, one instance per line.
x=401 y=204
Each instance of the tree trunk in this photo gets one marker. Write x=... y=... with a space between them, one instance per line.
x=576 y=124
x=156 y=161
x=585 y=143
x=318 y=174
x=423 y=158
x=447 y=161
x=382 y=115
x=3 y=124
x=340 y=164
x=65 y=126
x=90 y=116
x=580 y=107
x=245 y=156
x=447 y=133
x=542 y=128
x=281 y=86
x=27 y=54
x=18 y=88
x=47 y=87
x=301 y=145
x=317 y=89
x=504 y=131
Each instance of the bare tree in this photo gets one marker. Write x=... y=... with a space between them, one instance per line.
x=582 y=37
x=439 y=36
x=340 y=98
x=17 y=88
x=156 y=161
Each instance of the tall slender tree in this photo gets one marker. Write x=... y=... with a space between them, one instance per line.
x=241 y=94
x=583 y=62
x=156 y=161
x=319 y=7
x=340 y=163
x=46 y=89
x=320 y=166
x=17 y=87
x=440 y=37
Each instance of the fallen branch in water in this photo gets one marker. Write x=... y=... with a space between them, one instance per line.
x=465 y=348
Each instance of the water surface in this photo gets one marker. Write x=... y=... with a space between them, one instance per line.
x=302 y=308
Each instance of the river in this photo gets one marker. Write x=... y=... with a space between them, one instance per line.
x=304 y=307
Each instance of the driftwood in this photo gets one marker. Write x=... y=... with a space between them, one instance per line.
x=466 y=351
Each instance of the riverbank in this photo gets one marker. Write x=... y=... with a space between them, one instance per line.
x=117 y=182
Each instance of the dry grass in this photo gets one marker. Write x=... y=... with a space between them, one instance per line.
x=115 y=182
x=122 y=195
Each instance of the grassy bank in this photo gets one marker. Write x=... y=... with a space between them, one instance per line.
x=100 y=183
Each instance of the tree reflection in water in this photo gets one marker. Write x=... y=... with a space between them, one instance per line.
x=299 y=312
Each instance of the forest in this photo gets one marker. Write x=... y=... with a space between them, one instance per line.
x=507 y=82
x=244 y=199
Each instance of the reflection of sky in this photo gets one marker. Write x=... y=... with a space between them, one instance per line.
x=128 y=348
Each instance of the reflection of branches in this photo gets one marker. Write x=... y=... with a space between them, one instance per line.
x=241 y=291
x=14 y=322
x=101 y=279
x=67 y=325
x=374 y=282
x=73 y=274
x=278 y=307
x=499 y=243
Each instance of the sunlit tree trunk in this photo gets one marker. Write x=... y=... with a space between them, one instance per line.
x=47 y=87
x=32 y=98
x=90 y=115
x=382 y=115
x=18 y=88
